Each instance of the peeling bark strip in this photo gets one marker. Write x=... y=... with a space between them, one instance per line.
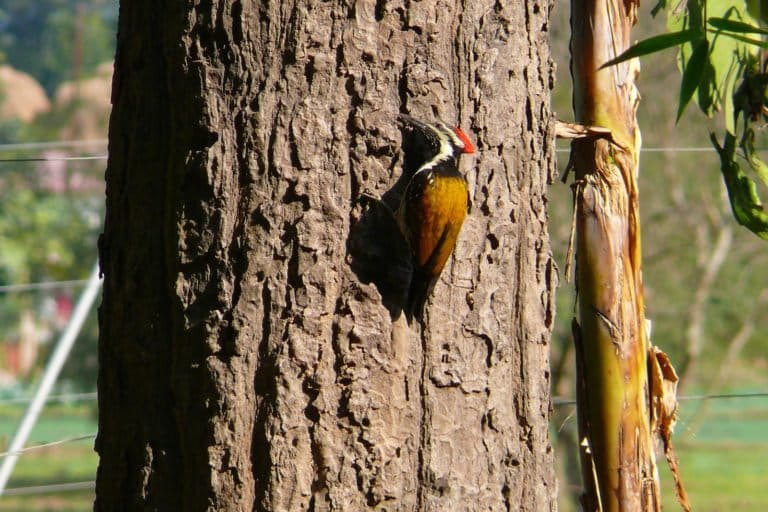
x=613 y=349
x=244 y=364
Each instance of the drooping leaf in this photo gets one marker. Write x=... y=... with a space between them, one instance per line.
x=730 y=25
x=742 y=191
x=656 y=44
x=745 y=203
x=760 y=168
x=692 y=74
x=755 y=162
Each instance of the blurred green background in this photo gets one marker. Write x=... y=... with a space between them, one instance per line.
x=705 y=289
x=55 y=77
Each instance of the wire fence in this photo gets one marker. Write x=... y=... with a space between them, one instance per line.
x=560 y=401
x=54 y=158
x=59 y=144
x=74 y=144
x=54 y=144
x=664 y=149
x=58 y=442
x=90 y=143
x=50 y=488
x=42 y=285
x=557 y=401
x=60 y=398
x=90 y=484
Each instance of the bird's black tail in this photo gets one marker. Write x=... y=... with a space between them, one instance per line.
x=422 y=284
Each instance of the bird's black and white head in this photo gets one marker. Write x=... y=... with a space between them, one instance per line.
x=427 y=145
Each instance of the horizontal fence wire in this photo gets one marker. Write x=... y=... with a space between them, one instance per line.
x=90 y=143
x=72 y=486
x=663 y=149
x=8 y=147
x=42 y=285
x=61 y=398
x=50 y=488
x=558 y=401
x=54 y=144
x=35 y=447
x=557 y=150
x=54 y=158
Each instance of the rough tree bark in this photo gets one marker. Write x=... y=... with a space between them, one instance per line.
x=249 y=356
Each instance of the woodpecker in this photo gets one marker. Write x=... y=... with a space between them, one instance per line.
x=435 y=201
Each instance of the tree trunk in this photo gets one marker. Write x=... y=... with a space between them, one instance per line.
x=252 y=353
x=612 y=346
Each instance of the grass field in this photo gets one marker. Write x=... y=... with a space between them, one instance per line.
x=70 y=462
x=724 y=464
x=721 y=477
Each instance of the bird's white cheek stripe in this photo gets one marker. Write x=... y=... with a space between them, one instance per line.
x=456 y=139
x=446 y=152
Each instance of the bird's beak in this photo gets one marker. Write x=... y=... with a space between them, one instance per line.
x=405 y=118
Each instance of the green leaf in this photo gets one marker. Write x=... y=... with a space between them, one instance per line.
x=755 y=162
x=655 y=44
x=735 y=26
x=742 y=191
x=727 y=93
x=694 y=71
x=745 y=202
x=760 y=168
x=748 y=40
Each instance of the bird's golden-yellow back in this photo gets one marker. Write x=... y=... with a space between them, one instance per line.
x=432 y=227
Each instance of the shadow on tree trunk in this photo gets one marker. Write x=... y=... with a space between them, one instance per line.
x=377 y=251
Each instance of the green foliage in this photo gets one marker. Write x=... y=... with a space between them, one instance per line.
x=693 y=73
x=656 y=44
x=730 y=443
x=727 y=25
x=742 y=191
x=729 y=86
x=44 y=237
x=721 y=67
x=53 y=40
x=70 y=462
x=49 y=232
x=713 y=77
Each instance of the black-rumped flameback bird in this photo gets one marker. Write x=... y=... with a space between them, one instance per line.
x=434 y=203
